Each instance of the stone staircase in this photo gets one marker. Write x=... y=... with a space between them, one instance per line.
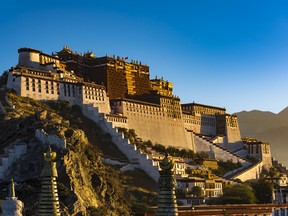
x=136 y=158
x=279 y=165
x=203 y=144
x=234 y=173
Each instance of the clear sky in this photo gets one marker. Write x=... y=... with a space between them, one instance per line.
x=227 y=53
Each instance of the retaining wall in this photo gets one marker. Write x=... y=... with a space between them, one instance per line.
x=11 y=154
x=45 y=138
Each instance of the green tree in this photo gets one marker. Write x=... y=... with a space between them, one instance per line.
x=238 y=194
x=263 y=191
x=159 y=148
x=196 y=191
x=201 y=155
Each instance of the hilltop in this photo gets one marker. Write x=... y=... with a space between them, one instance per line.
x=86 y=185
x=267 y=126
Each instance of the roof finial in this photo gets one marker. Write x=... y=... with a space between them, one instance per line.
x=12 y=189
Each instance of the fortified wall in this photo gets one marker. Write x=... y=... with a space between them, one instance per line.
x=155 y=124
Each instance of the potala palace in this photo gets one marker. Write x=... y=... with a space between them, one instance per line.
x=120 y=94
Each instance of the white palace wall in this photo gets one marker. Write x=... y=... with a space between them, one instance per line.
x=47 y=86
x=232 y=129
x=150 y=122
x=200 y=123
x=31 y=58
x=250 y=173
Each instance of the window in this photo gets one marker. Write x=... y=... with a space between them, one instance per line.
x=64 y=89
x=52 y=87
x=39 y=85
x=58 y=89
x=73 y=90
x=46 y=87
x=68 y=89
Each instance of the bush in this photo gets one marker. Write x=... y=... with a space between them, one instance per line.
x=238 y=194
x=196 y=191
x=159 y=148
x=263 y=191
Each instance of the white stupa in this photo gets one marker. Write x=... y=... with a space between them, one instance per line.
x=11 y=206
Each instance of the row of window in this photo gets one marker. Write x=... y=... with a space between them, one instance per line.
x=89 y=88
x=49 y=86
x=68 y=90
x=98 y=94
x=208 y=124
x=46 y=59
x=94 y=98
x=203 y=110
x=150 y=115
x=140 y=106
x=52 y=87
x=253 y=149
x=36 y=73
x=144 y=111
x=115 y=119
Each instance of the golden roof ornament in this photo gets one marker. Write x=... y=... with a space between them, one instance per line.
x=66 y=49
x=49 y=164
x=167 y=164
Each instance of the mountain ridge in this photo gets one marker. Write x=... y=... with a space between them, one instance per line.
x=267 y=126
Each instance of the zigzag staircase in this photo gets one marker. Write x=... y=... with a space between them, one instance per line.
x=276 y=163
x=136 y=158
x=226 y=152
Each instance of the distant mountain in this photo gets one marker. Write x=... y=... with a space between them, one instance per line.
x=267 y=126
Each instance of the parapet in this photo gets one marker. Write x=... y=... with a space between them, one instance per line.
x=26 y=49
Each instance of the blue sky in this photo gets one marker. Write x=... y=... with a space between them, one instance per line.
x=226 y=53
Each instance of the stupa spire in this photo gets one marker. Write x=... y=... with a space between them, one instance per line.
x=12 y=189
x=12 y=206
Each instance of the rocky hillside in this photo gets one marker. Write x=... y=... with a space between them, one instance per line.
x=86 y=185
x=267 y=126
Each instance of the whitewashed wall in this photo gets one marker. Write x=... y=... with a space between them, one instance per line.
x=45 y=138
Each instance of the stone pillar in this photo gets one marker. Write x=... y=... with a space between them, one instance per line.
x=167 y=204
x=12 y=206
